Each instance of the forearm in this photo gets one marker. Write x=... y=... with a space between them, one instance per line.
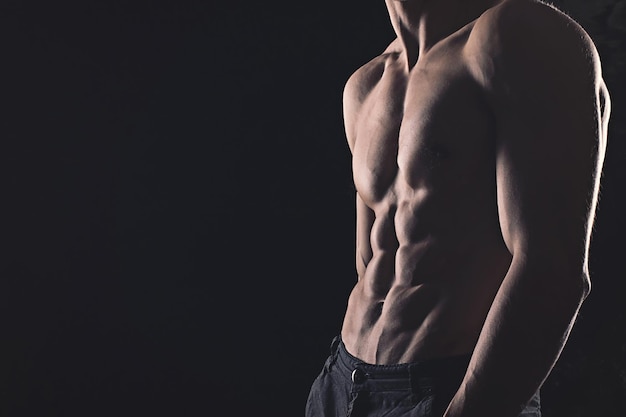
x=522 y=338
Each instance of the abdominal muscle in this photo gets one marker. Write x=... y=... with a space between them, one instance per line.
x=427 y=295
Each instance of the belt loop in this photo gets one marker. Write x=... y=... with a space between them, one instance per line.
x=334 y=345
x=415 y=394
x=420 y=386
x=334 y=352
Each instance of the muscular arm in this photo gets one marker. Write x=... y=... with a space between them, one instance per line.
x=551 y=107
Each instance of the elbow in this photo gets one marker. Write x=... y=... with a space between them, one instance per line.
x=574 y=289
x=563 y=279
x=577 y=284
x=585 y=286
x=569 y=295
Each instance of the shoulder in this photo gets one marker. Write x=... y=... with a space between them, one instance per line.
x=527 y=38
x=361 y=82
x=359 y=85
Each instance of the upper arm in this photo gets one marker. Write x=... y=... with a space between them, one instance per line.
x=547 y=94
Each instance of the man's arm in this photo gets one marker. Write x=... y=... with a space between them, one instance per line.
x=543 y=79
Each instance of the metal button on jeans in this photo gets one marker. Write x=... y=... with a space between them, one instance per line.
x=358 y=376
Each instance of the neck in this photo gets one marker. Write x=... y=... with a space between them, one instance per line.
x=420 y=24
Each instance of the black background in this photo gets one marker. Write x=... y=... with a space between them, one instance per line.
x=178 y=208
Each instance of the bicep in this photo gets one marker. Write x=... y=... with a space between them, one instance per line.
x=549 y=152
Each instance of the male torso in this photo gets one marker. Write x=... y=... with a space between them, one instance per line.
x=430 y=253
x=478 y=139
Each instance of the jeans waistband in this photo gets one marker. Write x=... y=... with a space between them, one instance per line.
x=429 y=375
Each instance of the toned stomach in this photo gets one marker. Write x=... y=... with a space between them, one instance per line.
x=428 y=285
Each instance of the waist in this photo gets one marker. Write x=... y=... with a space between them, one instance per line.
x=445 y=373
x=416 y=323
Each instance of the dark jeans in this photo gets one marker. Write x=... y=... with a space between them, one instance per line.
x=348 y=387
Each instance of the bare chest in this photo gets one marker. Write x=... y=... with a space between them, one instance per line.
x=419 y=130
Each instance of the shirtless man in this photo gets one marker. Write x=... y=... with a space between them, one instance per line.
x=477 y=139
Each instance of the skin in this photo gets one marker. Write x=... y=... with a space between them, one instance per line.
x=477 y=140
